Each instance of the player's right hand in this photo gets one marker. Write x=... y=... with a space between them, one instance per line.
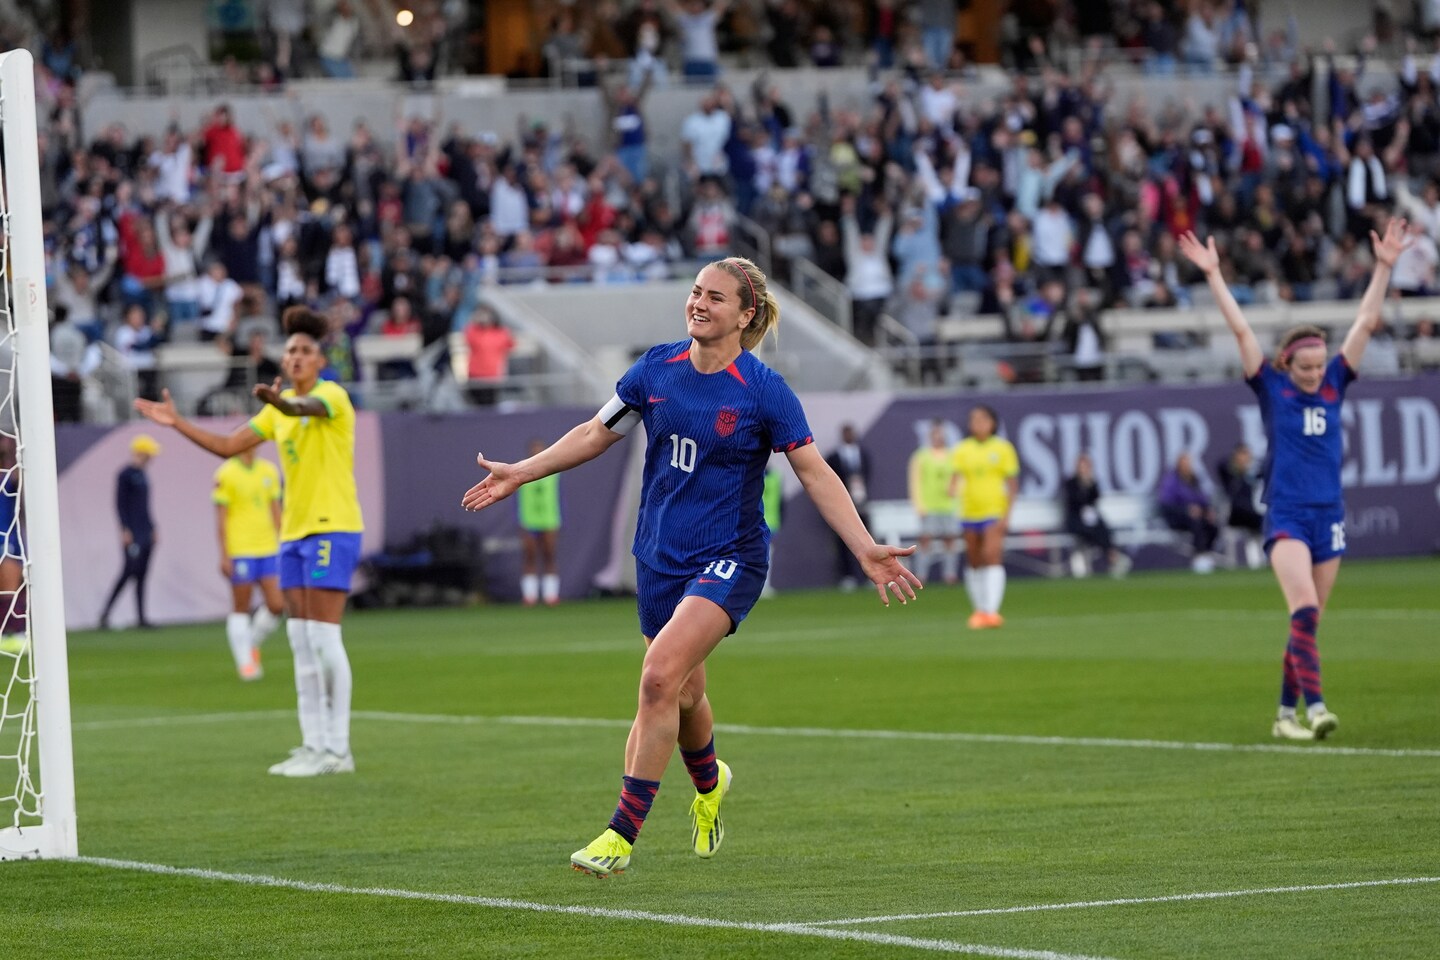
x=502 y=481
x=1204 y=255
x=226 y=567
x=162 y=411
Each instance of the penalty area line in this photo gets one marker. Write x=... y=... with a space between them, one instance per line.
x=1126 y=901
x=741 y=729
x=604 y=913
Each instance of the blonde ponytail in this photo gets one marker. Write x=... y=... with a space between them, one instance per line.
x=754 y=292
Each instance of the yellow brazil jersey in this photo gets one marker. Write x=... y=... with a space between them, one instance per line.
x=317 y=455
x=983 y=468
x=931 y=471
x=247 y=493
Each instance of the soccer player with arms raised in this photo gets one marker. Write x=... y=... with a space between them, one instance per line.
x=313 y=425
x=1300 y=395
x=713 y=414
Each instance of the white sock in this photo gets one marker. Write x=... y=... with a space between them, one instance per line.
x=530 y=588
x=550 y=587
x=260 y=625
x=972 y=587
x=335 y=667
x=1286 y=713
x=1315 y=709
x=949 y=563
x=994 y=587
x=237 y=631
x=309 y=687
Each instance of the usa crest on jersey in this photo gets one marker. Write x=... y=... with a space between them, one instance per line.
x=725 y=421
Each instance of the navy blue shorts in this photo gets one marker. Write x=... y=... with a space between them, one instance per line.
x=325 y=561
x=732 y=585
x=1322 y=529
x=245 y=570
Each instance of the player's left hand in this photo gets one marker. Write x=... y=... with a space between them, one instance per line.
x=1397 y=240
x=882 y=565
x=503 y=480
x=269 y=393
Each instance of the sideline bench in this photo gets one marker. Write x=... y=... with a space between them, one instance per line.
x=1037 y=539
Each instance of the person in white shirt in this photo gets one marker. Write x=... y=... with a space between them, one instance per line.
x=218 y=295
x=183 y=250
x=174 y=165
x=704 y=134
x=1054 y=236
x=136 y=339
x=77 y=290
x=1414 y=272
x=509 y=204
x=938 y=102
x=867 y=269
x=699 y=49
x=342 y=267
x=338 y=40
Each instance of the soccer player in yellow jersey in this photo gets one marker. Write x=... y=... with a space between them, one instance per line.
x=987 y=477
x=247 y=518
x=313 y=426
x=932 y=470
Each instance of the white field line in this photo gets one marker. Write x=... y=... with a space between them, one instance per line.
x=924 y=736
x=1088 y=904
x=605 y=913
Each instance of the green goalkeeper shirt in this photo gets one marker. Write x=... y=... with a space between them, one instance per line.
x=539 y=502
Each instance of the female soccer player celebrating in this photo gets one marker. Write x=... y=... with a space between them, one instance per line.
x=713 y=413
x=247 y=516
x=987 y=475
x=1300 y=396
x=313 y=425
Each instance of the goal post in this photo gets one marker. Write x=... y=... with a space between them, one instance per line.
x=38 y=818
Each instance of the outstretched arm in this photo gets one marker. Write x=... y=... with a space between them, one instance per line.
x=164 y=413
x=880 y=562
x=1207 y=259
x=582 y=444
x=1367 y=318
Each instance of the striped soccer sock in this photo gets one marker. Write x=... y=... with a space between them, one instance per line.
x=1302 y=656
x=704 y=770
x=636 y=796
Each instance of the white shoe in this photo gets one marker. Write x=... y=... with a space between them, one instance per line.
x=1323 y=724
x=319 y=763
x=297 y=756
x=1288 y=728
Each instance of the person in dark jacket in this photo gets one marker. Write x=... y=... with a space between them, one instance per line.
x=137 y=530
x=1237 y=477
x=1082 y=516
x=852 y=465
x=1186 y=507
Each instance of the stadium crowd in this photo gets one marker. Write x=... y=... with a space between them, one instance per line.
x=1045 y=206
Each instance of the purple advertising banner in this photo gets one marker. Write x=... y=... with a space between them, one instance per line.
x=1391 y=468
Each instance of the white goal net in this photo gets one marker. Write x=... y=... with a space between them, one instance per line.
x=37 y=796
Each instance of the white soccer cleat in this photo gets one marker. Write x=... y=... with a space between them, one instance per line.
x=320 y=763
x=297 y=756
x=1288 y=728
x=1323 y=724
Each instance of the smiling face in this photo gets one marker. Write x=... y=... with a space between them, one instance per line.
x=712 y=311
x=303 y=360
x=1307 y=368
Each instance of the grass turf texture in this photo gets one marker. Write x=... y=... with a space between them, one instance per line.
x=819 y=828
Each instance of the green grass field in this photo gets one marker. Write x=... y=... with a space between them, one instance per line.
x=489 y=741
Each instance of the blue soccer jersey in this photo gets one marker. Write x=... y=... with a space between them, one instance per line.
x=1306 y=443
x=709 y=439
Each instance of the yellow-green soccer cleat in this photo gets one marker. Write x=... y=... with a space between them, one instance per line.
x=707 y=830
x=607 y=854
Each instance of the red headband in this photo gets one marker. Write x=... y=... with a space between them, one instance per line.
x=1300 y=344
x=754 y=302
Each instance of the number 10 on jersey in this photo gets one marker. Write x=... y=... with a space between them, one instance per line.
x=683 y=452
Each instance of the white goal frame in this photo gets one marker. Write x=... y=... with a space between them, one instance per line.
x=54 y=836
